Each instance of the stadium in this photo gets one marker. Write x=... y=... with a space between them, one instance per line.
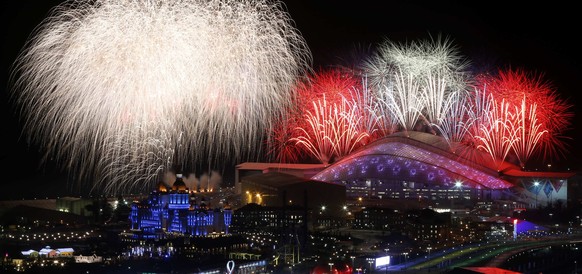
x=421 y=166
x=418 y=165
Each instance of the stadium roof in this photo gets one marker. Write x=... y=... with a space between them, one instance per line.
x=417 y=157
x=275 y=179
x=538 y=174
x=275 y=166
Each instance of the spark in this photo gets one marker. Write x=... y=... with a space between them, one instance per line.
x=333 y=131
x=512 y=85
x=351 y=131
x=280 y=146
x=372 y=111
x=417 y=80
x=331 y=87
x=529 y=132
x=122 y=89
x=315 y=138
x=453 y=125
x=497 y=135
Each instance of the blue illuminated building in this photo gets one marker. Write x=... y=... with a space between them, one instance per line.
x=176 y=210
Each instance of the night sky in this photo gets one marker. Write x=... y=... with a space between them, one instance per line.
x=537 y=38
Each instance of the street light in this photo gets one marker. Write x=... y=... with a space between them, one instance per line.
x=386 y=266
x=429 y=248
x=456 y=187
x=459 y=187
x=330 y=267
x=370 y=261
x=514 y=229
x=536 y=186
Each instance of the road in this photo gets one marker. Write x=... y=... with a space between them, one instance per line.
x=488 y=255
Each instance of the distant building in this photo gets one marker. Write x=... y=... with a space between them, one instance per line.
x=66 y=252
x=416 y=165
x=575 y=193
x=176 y=210
x=253 y=217
x=285 y=224
x=31 y=253
x=48 y=252
x=496 y=228
x=305 y=171
x=74 y=205
x=88 y=259
x=429 y=226
x=277 y=189
x=378 y=218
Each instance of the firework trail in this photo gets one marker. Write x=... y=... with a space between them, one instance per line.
x=490 y=128
x=453 y=125
x=505 y=129
x=330 y=86
x=393 y=82
x=372 y=111
x=529 y=132
x=316 y=139
x=333 y=84
x=515 y=85
x=469 y=116
x=500 y=129
x=121 y=89
x=497 y=134
x=417 y=80
x=444 y=83
x=403 y=100
x=480 y=104
x=351 y=129
x=280 y=146
x=333 y=131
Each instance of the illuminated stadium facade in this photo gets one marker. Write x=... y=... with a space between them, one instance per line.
x=417 y=165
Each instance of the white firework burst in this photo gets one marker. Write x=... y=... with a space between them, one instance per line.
x=124 y=88
x=418 y=80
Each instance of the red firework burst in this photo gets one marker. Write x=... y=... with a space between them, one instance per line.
x=334 y=88
x=552 y=115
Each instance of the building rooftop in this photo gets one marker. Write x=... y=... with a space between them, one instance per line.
x=275 y=179
x=268 y=166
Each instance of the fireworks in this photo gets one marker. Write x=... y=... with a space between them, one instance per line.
x=417 y=81
x=518 y=87
x=423 y=86
x=497 y=134
x=333 y=131
x=124 y=89
x=453 y=125
x=528 y=132
x=331 y=117
x=506 y=120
